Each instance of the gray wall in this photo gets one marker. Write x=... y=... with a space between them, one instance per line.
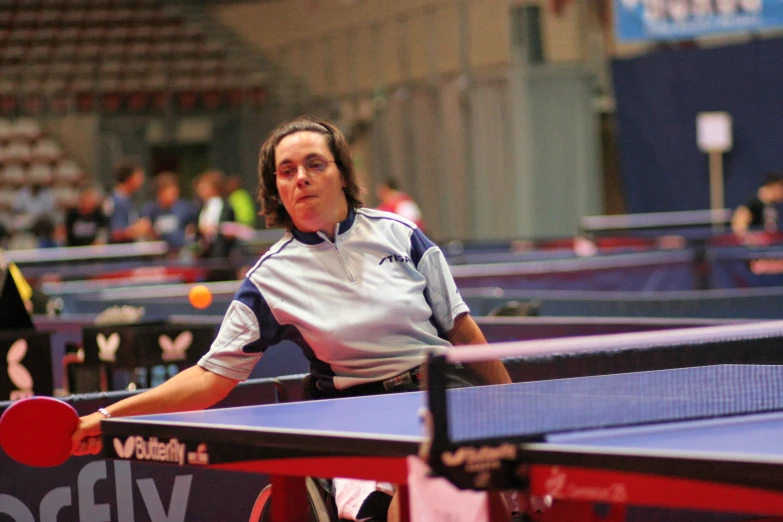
x=78 y=135
x=504 y=155
x=233 y=139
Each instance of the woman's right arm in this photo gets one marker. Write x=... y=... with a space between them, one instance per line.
x=191 y=389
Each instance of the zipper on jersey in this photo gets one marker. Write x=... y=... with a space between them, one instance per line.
x=350 y=273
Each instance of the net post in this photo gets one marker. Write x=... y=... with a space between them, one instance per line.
x=436 y=397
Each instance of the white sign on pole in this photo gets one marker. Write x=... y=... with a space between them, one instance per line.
x=713 y=131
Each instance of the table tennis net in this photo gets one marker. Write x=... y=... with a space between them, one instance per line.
x=527 y=411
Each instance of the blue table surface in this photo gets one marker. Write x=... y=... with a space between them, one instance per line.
x=380 y=416
x=397 y=416
x=756 y=437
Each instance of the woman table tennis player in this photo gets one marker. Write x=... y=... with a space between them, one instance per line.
x=363 y=292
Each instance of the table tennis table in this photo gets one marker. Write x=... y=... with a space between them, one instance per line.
x=701 y=438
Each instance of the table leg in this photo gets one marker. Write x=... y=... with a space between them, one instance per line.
x=289 y=499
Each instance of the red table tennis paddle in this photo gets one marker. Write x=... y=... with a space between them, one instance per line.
x=37 y=431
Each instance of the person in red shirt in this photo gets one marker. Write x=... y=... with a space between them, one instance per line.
x=392 y=199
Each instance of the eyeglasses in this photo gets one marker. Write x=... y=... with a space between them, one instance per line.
x=311 y=165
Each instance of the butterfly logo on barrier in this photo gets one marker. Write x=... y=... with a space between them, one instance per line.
x=124 y=451
x=107 y=347
x=175 y=350
x=18 y=374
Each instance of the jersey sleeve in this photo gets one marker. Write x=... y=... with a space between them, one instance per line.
x=248 y=329
x=117 y=214
x=147 y=210
x=441 y=290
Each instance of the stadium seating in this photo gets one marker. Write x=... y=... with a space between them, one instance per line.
x=113 y=55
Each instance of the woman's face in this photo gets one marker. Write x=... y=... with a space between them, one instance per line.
x=315 y=201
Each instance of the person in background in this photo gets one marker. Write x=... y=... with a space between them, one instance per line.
x=86 y=224
x=173 y=219
x=34 y=213
x=760 y=211
x=34 y=201
x=214 y=211
x=393 y=200
x=44 y=231
x=241 y=201
x=124 y=222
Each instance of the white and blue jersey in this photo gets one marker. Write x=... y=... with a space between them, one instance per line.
x=366 y=307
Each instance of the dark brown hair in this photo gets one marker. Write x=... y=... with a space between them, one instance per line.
x=166 y=179
x=272 y=208
x=773 y=178
x=125 y=169
x=210 y=178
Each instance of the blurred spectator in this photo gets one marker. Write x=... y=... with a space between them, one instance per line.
x=173 y=219
x=85 y=222
x=241 y=201
x=31 y=202
x=34 y=213
x=214 y=211
x=760 y=211
x=124 y=222
x=43 y=229
x=392 y=199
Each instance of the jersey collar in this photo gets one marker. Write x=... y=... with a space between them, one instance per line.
x=314 y=238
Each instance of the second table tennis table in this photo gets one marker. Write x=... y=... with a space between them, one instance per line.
x=702 y=438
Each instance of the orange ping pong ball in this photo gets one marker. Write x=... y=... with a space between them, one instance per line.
x=200 y=297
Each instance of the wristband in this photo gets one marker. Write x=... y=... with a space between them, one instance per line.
x=105 y=412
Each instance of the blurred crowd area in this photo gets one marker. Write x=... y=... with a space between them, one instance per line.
x=500 y=119
x=48 y=200
x=38 y=183
x=135 y=76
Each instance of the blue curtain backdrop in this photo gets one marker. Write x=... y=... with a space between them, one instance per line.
x=658 y=98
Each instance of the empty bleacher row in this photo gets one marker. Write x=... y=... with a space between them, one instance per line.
x=113 y=55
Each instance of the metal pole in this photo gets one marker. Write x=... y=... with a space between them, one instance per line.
x=716 y=187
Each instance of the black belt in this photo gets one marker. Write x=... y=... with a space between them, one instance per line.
x=406 y=381
x=412 y=376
